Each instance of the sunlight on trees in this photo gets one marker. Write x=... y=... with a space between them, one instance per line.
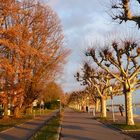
x=31 y=51
x=117 y=66
x=122 y=58
x=98 y=84
x=117 y=62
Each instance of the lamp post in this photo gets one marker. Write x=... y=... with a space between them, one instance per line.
x=112 y=104
x=41 y=106
x=59 y=105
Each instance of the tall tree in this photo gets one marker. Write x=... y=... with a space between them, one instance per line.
x=52 y=91
x=122 y=58
x=31 y=49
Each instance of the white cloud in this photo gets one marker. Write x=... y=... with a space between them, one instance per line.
x=82 y=20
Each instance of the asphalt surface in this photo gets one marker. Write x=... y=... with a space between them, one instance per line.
x=82 y=126
x=26 y=130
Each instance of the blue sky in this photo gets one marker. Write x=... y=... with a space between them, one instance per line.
x=84 y=21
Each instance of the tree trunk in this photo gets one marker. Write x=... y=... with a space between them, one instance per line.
x=103 y=107
x=23 y=110
x=17 y=112
x=25 y=107
x=128 y=108
x=79 y=106
x=5 y=110
x=97 y=105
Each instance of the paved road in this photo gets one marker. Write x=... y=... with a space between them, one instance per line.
x=26 y=130
x=81 y=126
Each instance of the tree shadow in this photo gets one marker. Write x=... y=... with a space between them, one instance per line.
x=4 y=136
x=75 y=137
x=71 y=127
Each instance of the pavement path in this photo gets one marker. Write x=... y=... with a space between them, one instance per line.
x=26 y=130
x=82 y=126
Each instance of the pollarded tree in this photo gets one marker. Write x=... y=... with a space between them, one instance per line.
x=122 y=10
x=122 y=58
x=73 y=100
x=90 y=88
x=101 y=82
x=78 y=99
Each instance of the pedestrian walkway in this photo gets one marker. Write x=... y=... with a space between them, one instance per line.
x=82 y=126
x=26 y=130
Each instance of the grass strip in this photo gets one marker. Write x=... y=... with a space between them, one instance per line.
x=117 y=124
x=49 y=131
x=127 y=127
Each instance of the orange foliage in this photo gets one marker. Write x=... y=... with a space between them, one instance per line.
x=31 y=47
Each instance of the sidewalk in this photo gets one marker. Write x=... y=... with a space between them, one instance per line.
x=26 y=130
x=82 y=126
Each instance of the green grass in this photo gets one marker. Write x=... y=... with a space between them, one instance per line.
x=127 y=127
x=118 y=124
x=49 y=131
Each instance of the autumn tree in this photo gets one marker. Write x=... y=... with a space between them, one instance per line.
x=31 y=49
x=9 y=49
x=122 y=58
x=72 y=99
x=52 y=91
x=64 y=97
x=47 y=40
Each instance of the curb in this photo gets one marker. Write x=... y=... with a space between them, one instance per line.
x=119 y=129
x=112 y=126
x=122 y=130
x=109 y=125
x=136 y=130
x=59 y=132
x=36 y=130
x=44 y=123
x=59 y=135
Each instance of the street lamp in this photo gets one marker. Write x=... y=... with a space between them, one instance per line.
x=59 y=105
x=112 y=104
